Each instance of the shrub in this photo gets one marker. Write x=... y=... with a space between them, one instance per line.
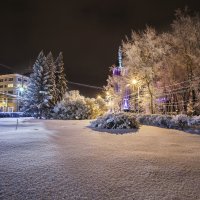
x=73 y=106
x=116 y=121
x=155 y=120
x=76 y=106
x=179 y=121
x=167 y=121
x=71 y=110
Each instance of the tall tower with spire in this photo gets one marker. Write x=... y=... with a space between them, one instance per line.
x=119 y=72
x=117 y=69
x=120 y=57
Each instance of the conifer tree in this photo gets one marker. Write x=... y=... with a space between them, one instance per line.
x=51 y=84
x=36 y=96
x=61 y=82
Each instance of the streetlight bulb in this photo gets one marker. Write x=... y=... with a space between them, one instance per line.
x=21 y=89
x=134 y=81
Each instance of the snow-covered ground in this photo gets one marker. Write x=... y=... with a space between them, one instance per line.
x=68 y=160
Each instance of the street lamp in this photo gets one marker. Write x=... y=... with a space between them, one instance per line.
x=135 y=82
x=19 y=93
x=21 y=89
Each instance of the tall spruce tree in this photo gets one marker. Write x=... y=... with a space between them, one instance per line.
x=51 y=84
x=36 y=96
x=61 y=82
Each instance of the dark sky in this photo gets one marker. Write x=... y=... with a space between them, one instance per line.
x=88 y=32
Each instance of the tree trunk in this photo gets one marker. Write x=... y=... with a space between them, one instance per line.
x=151 y=98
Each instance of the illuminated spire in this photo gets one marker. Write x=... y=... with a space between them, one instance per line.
x=120 y=56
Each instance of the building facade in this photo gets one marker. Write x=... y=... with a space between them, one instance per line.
x=12 y=87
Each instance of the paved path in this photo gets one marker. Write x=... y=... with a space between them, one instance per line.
x=68 y=160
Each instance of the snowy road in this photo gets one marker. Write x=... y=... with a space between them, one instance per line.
x=68 y=160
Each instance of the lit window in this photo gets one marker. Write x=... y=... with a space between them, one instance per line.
x=10 y=85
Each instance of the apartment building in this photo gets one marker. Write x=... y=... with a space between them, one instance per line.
x=11 y=88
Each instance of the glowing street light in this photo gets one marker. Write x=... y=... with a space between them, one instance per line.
x=21 y=89
x=135 y=82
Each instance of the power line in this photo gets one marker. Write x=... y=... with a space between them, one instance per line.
x=85 y=85
x=174 y=91
x=194 y=79
x=7 y=67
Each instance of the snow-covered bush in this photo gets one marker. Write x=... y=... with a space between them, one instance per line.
x=129 y=120
x=166 y=121
x=71 y=110
x=194 y=121
x=155 y=120
x=73 y=106
x=76 y=106
x=147 y=119
x=179 y=121
x=116 y=121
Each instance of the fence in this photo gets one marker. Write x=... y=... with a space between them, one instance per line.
x=12 y=114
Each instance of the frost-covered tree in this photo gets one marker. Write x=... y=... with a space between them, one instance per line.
x=36 y=97
x=76 y=106
x=97 y=106
x=167 y=65
x=51 y=82
x=61 y=82
x=142 y=55
x=73 y=106
x=102 y=106
x=181 y=63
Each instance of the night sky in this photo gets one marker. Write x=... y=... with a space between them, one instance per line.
x=88 y=32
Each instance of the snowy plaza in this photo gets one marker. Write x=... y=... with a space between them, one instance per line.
x=49 y=159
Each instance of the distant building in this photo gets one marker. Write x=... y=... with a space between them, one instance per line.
x=11 y=88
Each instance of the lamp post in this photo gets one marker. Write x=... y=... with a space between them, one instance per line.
x=19 y=92
x=135 y=82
